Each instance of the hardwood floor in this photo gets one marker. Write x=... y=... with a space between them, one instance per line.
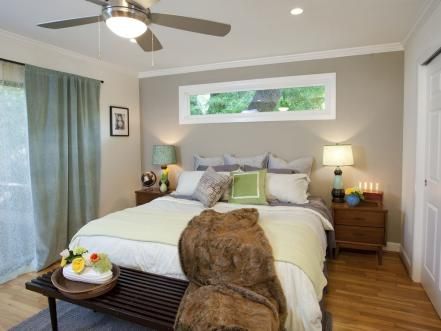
x=362 y=297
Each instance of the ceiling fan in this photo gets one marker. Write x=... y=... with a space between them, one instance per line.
x=132 y=19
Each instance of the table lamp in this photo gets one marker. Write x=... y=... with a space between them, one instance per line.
x=338 y=156
x=163 y=155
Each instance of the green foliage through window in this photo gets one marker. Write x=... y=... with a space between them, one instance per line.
x=310 y=98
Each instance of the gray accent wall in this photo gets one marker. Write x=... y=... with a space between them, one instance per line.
x=369 y=116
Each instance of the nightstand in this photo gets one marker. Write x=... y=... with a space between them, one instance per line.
x=362 y=227
x=148 y=194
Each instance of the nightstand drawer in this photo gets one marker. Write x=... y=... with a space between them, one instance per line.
x=359 y=234
x=359 y=218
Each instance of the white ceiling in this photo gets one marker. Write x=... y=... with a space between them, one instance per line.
x=259 y=28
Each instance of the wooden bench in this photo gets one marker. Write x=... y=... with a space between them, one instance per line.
x=139 y=297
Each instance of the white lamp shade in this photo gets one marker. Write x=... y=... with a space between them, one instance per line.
x=338 y=155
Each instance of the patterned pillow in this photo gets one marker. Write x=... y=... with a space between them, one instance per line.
x=248 y=187
x=211 y=187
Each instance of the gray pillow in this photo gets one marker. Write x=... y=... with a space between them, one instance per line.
x=211 y=187
x=301 y=165
x=207 y=161
x=221 y=168
x=259 y=161
x=270 y=171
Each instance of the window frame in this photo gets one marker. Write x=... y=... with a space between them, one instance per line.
x=328 y=80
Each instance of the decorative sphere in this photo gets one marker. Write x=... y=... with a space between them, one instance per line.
x=148 y=179
x=352 y=200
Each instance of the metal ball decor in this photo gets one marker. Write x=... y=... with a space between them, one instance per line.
x=148 y=179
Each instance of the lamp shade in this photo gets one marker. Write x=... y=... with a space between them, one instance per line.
x=338 y=155
x=163 y=155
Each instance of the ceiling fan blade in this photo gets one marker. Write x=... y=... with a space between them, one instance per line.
x=191 y=24
x=71 y=22
x=99 y=2
x=145 y=41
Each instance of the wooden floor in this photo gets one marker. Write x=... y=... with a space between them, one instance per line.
x=362 y=297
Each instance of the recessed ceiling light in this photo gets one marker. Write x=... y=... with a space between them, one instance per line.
x=297 y=11
x=133 y=40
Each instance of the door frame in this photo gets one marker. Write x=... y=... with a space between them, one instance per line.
x=420 y=167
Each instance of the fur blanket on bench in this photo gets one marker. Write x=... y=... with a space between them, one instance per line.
x=233 y=282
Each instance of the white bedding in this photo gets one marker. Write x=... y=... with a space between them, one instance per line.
x=303 y=307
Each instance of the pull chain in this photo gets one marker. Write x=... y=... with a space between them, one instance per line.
x=99 y=38
x=153 y=52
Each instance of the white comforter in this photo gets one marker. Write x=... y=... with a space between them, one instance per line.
x=303 y=307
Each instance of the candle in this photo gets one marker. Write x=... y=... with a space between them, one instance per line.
x=371 y=186
x=360 y=185
x=377 y=187
x=365 y=186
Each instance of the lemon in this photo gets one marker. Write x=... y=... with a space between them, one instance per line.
x=78 y=265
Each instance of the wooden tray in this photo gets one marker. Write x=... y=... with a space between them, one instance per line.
x=79 y=290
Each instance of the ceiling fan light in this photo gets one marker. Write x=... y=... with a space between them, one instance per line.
x=126 y=27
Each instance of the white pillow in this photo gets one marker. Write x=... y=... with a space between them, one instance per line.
x=207 y=161
x=287 y=188
x=187 y=182
x=301 y=165
x=258 y=161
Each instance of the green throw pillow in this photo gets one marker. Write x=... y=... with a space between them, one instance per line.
x=248 y=188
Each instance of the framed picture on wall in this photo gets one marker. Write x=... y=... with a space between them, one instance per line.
x=119 y=121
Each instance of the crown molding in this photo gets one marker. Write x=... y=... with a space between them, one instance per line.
x=65 y=52
x=335 y=53
x=424 y=15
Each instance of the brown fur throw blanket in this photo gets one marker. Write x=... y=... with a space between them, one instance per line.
x=233 y=282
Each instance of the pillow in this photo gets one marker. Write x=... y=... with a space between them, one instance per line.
x=211 y=187
x=207 y=161
x=248 y=187
x=187 y=183
x=301 y=165
x=259 y=161
x=270 y=171
x=221 y=168
x=287 y=188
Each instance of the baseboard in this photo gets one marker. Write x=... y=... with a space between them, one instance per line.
x=392 y=247
x=406 y=261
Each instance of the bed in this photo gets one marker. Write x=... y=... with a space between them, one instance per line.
x=146 y=237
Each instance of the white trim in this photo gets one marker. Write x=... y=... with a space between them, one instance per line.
x=66 y=52
x=406 y=259
x=329 y=54
x=392 y=247
x=424 y=14
x=328 y=80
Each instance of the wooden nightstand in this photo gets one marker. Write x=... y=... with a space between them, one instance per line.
x=361 y=227
x=148 y=194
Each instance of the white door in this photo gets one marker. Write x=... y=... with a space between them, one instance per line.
x=431 y=274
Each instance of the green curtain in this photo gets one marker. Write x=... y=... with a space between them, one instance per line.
x=64 y=148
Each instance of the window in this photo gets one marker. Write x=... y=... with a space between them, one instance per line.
x=17 y=234
x=310 y=97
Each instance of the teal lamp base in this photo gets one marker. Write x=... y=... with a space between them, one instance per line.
x=338 y=192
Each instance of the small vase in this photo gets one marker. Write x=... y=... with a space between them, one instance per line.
x=352 y=200
x=163 y=188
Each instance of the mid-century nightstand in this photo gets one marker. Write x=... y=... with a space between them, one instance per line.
x=148 y=194
x=361 y=227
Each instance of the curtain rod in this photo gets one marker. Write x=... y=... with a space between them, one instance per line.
x=23 y=64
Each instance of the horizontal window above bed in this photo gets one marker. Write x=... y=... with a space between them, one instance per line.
x=310 y=97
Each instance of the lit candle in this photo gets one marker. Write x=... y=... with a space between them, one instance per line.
x=365 y=186
x=377 y=187
x=360 y=185
x=371 y=186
